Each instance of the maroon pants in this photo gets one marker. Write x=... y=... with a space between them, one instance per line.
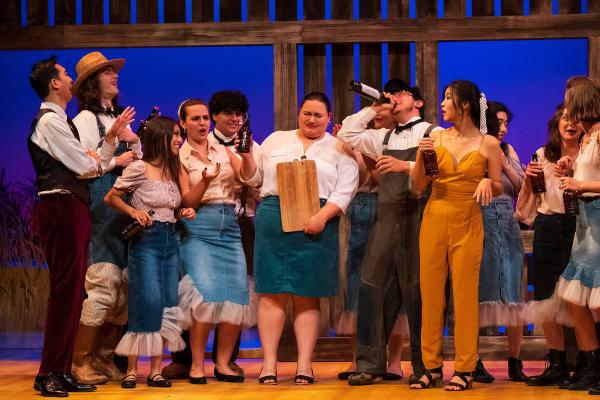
x=63 y=225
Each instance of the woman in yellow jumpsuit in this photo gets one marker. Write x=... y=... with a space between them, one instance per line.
x=451 y=238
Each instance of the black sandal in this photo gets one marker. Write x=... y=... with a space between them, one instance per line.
x=267 y=379
x=160 y=381
x=436 y=383
x=129 y=381
x=468 y=383
x=309 y=379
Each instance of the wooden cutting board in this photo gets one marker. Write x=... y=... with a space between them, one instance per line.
x=298 y=193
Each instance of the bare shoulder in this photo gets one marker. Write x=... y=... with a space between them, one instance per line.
x=490 y=142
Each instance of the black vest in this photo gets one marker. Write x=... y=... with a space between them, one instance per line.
x=51 y=173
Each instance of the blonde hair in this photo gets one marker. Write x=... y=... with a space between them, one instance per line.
x=582 y=99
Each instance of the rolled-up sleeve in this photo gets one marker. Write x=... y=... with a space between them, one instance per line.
x=257 y=179
x=355 y=133
x=347 y=182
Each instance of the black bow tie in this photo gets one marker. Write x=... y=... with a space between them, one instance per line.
x=401 y=128
x=221 y=141
x=110 y=111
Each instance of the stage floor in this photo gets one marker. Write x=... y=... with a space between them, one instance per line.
x=16 y=380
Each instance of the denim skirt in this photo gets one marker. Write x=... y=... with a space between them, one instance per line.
x=580 y=282
x=294 y=262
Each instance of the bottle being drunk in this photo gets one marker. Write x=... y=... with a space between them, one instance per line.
x=368 y=92
x=133 y=228
x=245 y=138
x=144 y=123
x=571 y=202
x=538 y=183
x=430 y=161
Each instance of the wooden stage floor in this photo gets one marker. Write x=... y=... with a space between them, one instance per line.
x=16 y=380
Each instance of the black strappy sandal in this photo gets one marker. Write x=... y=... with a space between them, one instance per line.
x=158 y=380
x=129 y=381
x=436 y=383
x=309 y=380
x=467 y=383
x=267 y=379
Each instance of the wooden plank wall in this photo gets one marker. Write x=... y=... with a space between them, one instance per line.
x=343 y=65
x=399 y=52
x=426 y=64
x=370 y=53
x=314 y=54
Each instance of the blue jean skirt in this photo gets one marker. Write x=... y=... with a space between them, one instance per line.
x=294 y=262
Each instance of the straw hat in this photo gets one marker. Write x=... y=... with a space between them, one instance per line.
x=91 y=63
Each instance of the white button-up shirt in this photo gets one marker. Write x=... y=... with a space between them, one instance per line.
x=87 y=126
x=337 y=171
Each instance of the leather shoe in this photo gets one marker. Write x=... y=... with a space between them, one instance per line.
x=158 y=381
x=49 y=385
x=129 y=382
x=228 y=378
x=72 y=385
x=481 y=375
x=198 y=380
x=176 y=370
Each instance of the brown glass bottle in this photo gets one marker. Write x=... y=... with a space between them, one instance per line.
x=430 y=161
x=133 y=228
x=368 y=92
x=538 y=183
x=570 y=202
x=245 y=138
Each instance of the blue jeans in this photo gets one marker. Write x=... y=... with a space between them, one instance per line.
x=153 y=276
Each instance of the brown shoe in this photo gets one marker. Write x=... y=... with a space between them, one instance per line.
x=85 y=344
x=176 y=370
x=108 y=339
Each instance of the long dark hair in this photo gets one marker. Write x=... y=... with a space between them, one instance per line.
x=552 y=148
x=156 y=142
x=494 y=107
x=466 y=92
x=89 y=95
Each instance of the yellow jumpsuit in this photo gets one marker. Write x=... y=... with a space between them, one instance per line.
x=451 y=239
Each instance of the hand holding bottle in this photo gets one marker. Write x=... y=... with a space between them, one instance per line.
x=142 y=217
x=570 y=184
x=563 y=166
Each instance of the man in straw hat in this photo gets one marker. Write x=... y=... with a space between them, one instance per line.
x=104 y=311
x=62 y=219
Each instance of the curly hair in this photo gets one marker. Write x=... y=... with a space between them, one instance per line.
x=89 y=95
x=228 y=100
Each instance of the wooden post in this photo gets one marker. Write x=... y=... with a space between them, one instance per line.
x=147 y=11
x=285 y=85
x=120 y=11
x=512 y=7
x=285 y=10
x=427 y=78
x=540 y=7
x=343 y=66
x=174 y=11
x=37 y=12
x=484 y=8
x=10 y=13
x=455 y=8
x=64 y=12
x=399 y=52
x=370 y=53
x=258 y=10
x=314 y=54
x=231 y=10
x=92 y=12
x=570 y=6
x=594 y=57
x=203 y=11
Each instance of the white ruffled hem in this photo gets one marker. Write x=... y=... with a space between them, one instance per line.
x=573 y=291
x=152 y=343
x=196 y=309
x=499 y=313
x=553 y=309
x=346 y=325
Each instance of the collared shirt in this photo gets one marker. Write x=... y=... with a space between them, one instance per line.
x=87 y=126
x=54 y=136
x=222 y=188
x=337 y=172
x=370 y=141
x=253 y=193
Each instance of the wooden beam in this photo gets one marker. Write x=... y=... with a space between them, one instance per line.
x=455 y=8
x=399 y=61
x=285 y=85
x=203 y=11
x=543 y=7
x=174 y=11
x=231 y=10
x=427 y=78
x=341 y=9
x=10 y=13
x=266 y=33
x=37 y=12
x=512 y=7
x=92 y=12
x=64 y=12
x=147 y=11
x=484 y=8
x=120 y=11
x=314 y=9
x=594 y=57
x=342 y=59
x=370 y=53
x=593 y=6
x=398 y=8
x=286 y=10
x=258 y=10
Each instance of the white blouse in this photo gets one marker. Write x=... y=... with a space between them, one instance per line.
x=337 y=172
x=587 y=166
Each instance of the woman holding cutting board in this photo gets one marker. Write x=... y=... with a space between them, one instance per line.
x=300 y=266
